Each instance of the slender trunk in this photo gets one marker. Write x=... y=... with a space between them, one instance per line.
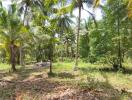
x=124 y=49
x=20 y=49
x=37 y=59
x=13 y=67
x=50 y=66
x=21 y=56
x=77 y=45
x=119 y=41
x=119 y=54
x=51 y=55
x=67 y=50
x=62 y=56
x=18 y=56
x=13 y=56
x=72 y=52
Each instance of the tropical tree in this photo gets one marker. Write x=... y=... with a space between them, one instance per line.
x=112 y=35
x=11 y=28
x=79 y=4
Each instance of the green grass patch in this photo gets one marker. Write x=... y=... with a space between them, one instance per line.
x=4 y=66
x=7 y=67
x=98 y=73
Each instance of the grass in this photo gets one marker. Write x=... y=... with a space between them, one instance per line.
x=4 y=66
x=7 y=67
x=88 y=76
x=86 y=70
x=91 y=76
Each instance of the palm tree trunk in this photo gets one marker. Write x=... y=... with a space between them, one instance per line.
x=67 y=50
x=72 y=53
x=18 y=56
x=119 y=49
x=20 y=50
x=51 y=56
x=50 y=66
x=13 y=56
x=119 y=42
x=21 y=56
x=77 y=45
x=61 y=55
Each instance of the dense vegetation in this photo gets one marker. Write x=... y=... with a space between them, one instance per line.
x=36 y=33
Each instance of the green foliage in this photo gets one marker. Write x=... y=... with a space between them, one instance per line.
x=84 y=46
x=44 y=30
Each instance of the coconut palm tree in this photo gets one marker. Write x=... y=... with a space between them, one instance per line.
x=79 y=4
x=11 y=28
x=69 y=8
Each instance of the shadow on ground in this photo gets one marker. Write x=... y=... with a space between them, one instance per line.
x=21 y=73
x=31 y=82
x=62 y=75
x=104 y=87
x=124 y=70
x=35 y=84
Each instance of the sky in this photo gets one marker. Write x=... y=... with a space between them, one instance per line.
x=5 y=3
x=84 y=14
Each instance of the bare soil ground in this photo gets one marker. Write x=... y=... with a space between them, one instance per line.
x=35 y=84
